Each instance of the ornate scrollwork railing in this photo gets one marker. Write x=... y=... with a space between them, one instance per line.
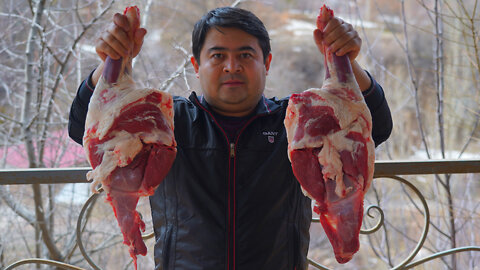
x=383 y=169
x=407 y=262
x=415 y=168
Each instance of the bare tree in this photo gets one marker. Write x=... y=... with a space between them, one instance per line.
x=455 y=94
x=44 y=68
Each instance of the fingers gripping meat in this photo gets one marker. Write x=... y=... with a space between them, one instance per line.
x=129 y=142
x=331 y=149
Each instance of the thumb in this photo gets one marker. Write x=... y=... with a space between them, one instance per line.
x=139 y=35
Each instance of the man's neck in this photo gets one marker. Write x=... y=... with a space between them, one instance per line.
x=232 y=113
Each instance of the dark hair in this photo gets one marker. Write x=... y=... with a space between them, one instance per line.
x=230 y=17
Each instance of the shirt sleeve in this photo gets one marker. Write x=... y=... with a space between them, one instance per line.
x=78 y=110
x=382 y=123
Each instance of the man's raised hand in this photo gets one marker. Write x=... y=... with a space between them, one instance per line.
x=339 y=37
x=123 y=37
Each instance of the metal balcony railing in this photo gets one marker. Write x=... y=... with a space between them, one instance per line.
x=383 y=169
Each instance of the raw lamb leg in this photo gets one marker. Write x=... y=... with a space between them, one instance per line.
x=129 y=142
x=331 y=149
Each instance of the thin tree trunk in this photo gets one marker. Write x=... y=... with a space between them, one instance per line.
x=439 y=74
x=42 y=224
x=41 y=228
x=51 y=207
x=451 y=218
x=27 y=118
x=2 y=263
x=440 y=86
x=38 y=246
x=413 y=80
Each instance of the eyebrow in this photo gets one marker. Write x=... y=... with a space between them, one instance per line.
x=243 y=48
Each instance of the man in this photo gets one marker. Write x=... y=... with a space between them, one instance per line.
x=230 y=200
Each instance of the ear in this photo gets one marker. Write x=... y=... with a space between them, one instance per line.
x=195 y=64
x=268 y=61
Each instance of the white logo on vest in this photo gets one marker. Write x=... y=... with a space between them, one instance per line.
x=270 y=135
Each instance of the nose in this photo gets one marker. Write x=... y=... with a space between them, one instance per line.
x=232 y=65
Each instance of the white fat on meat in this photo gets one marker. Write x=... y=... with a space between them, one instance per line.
x=119 y=151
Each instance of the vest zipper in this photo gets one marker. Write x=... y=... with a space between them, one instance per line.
x=231 y=208
x=231 y=190
x=232 y=197
x=232 y=150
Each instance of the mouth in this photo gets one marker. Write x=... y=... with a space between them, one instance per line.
x=233 y=83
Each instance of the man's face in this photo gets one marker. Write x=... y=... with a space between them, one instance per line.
x=232 y=71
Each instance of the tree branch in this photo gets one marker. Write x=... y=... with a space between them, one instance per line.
x=58 y=77
x=17 y=208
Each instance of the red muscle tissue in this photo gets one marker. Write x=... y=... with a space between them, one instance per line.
x=331 y=149
x=129 y=142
